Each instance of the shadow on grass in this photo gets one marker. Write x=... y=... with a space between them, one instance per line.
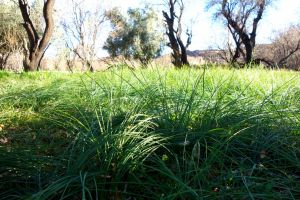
x=163 y=144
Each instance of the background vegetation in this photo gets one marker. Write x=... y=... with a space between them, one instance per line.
x=81 y=34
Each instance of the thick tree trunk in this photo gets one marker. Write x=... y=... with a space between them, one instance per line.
x=249 y=46
x=31 y=63
x=184 y=59
x=249 y=53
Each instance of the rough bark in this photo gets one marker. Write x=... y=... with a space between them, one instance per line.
x=36 y=45
x=179 y=49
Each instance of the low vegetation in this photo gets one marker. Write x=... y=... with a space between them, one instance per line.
x=150 y=134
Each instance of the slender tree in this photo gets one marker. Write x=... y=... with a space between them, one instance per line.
x=174 y=31
x=83 y=32
x=36 y=46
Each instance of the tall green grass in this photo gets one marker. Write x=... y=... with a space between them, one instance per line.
x=150 y=134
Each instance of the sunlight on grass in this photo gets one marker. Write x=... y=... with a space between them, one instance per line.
x=150 y=134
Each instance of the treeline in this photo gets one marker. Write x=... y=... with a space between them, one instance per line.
x=27 y=29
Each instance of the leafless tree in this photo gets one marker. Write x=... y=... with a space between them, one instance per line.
x=173 y=21
x=83 y=33
x=233 y=52
x=283 y=52
x=35 y=48
x=242 y=18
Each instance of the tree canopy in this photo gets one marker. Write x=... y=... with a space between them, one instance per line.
x=11 y=32
x=136 y=36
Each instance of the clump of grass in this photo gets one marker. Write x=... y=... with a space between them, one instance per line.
x=150 y=134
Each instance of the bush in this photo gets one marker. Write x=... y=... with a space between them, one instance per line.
x=135 y=37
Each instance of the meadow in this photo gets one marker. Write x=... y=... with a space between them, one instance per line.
x=166 y=134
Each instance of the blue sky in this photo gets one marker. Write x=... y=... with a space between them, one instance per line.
x=208 y=33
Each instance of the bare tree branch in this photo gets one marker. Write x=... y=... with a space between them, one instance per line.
x=237 y=15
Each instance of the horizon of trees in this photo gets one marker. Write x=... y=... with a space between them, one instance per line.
x=140 y=36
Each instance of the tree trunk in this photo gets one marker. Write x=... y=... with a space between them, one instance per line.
x=249 y=54
x=90 y=66
x=176 y=55
x=248 y=47
x=36 y=45
x=179 y=55
x=184 y=59
x=31 y=63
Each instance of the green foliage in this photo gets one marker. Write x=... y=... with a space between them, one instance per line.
x=150 y=134
x=9 y=15
x=135 y=37
x=36 y=13
x=11 y=31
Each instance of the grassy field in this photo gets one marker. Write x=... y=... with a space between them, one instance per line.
x=150 y=134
